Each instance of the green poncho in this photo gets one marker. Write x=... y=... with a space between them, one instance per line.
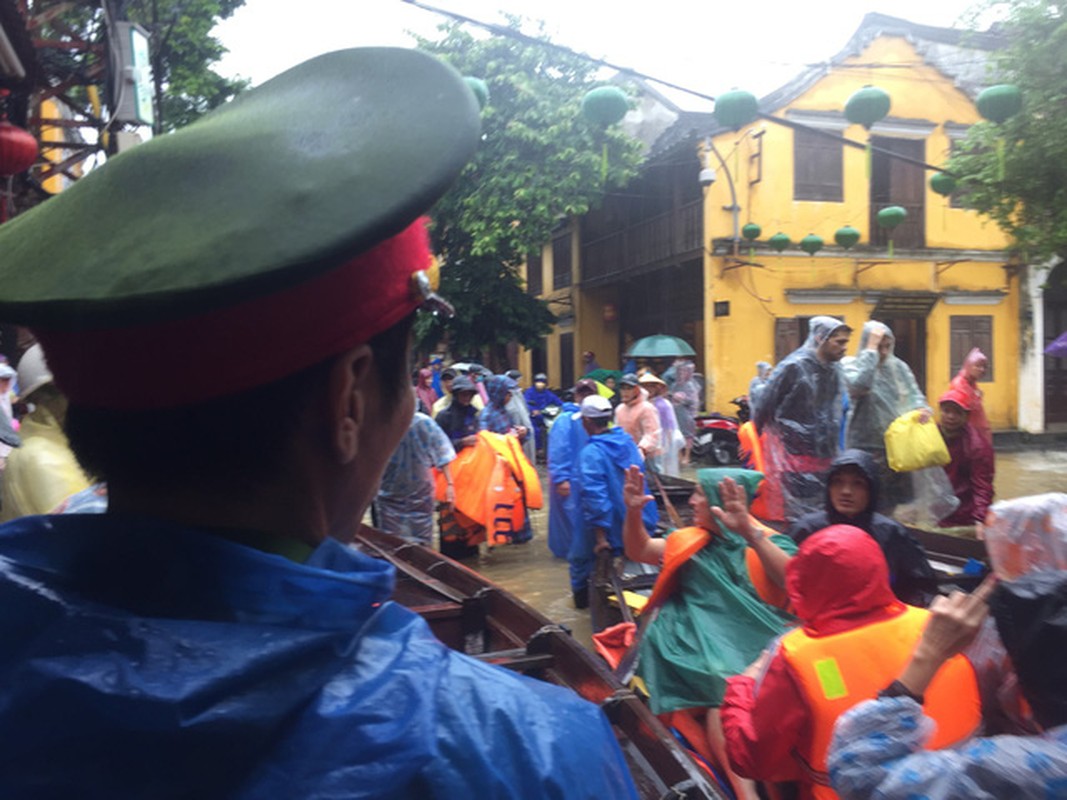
x=715 y=624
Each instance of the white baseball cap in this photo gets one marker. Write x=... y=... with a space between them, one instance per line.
x=596 y=407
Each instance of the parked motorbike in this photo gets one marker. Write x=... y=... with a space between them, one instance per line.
x=716 y=434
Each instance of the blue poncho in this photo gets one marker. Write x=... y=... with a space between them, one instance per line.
x=143 y=659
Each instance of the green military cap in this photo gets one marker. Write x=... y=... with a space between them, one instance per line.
x=245 y=218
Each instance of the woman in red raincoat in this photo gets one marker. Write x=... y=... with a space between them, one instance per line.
x=973 y=370
x=776 y=726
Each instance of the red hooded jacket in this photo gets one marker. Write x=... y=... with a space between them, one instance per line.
x=837 y=581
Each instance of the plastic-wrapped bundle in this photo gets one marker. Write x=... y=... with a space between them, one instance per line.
x=1027 y=533
x=932 y=498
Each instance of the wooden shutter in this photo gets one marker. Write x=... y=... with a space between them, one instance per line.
x=535 y=275
x=965 y=333
x=786 y=337
x=566 y=359
x=817 y=167
x=561 y=261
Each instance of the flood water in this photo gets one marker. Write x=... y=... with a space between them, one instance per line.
x=534 y=574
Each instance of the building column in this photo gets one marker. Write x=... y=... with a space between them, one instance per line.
x=1031 y=344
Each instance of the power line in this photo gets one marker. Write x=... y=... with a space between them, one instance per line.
x=501 y=30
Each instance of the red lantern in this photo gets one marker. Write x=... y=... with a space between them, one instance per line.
x=611 y=312
x=18 y=149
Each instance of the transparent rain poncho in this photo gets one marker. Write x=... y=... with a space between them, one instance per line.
x=756 y=385
x=799 y=415
x=880 y=390
x=1027 y=533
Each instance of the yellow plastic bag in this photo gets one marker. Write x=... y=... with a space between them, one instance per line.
x=912 y=445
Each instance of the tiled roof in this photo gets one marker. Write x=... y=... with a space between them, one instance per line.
x=958 y=54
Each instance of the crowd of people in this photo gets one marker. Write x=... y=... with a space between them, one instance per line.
x=215 y=629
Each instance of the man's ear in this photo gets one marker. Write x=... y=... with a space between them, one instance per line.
x=349 y=388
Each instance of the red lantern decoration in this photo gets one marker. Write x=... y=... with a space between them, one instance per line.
x=18 y=149
x=611 y=312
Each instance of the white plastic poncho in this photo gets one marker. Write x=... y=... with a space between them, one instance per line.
x=799 y=415
x=880 y=390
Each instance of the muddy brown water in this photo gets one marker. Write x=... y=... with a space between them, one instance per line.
x=534 y=574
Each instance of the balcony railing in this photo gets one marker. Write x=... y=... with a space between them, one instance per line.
x=652 y=241
x=908 y=235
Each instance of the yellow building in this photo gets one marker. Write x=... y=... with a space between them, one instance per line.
x=645 y=264
x=947 y=286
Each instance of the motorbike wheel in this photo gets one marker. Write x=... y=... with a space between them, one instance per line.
x=701 y=448
x=721 y=454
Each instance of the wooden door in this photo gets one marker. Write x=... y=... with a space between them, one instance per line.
x=899 y=183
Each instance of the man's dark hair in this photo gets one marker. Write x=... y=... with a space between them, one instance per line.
x=238 y=440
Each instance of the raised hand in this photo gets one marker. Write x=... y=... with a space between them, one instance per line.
x=955 y=620
x=733 y=514
x=633 y=489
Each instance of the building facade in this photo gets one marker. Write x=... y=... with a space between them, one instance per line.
x=642 y=264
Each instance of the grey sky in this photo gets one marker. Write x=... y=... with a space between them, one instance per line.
x=706 y=46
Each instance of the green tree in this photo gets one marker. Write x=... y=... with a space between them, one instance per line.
x=1028 y=200
x=183 y=52
x=540 y=161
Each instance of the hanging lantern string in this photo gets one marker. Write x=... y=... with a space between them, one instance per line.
x=500 y=30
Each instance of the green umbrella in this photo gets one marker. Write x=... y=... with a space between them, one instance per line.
x=660 y=346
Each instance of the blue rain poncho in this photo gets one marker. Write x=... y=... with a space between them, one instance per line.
x=144 y=659
x=566 y=439
x=603 y=464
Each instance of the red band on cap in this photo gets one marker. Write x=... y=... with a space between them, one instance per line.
x=233 y=349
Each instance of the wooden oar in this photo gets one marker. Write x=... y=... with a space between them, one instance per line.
x=628 y=664
x=672 y=512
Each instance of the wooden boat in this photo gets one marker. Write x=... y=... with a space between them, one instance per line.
x=949 y=556
x=475 y=616
x=947 y=553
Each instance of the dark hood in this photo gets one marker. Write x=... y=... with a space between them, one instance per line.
x=1031 y=615
x=865 y=463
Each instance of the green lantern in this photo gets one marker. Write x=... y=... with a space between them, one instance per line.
x=998 y=103
x=943 y=183
x=605 y=105
x=779 y=242
x=891 y=216
x=867 y=106
x=751 y=231
x=888 y=218
x=736 y=108
x=811 y=244
x=847 y=237
x=480 y=89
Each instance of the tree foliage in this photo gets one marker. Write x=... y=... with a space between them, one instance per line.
x=181 y=47
x=183 y=52
x=539 y=162
x=1029 y=200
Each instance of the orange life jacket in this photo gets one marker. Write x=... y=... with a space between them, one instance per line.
x=839 y=671
x=495 y=485
x=768 y=502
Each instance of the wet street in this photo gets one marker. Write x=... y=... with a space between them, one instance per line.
x=532 y=573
